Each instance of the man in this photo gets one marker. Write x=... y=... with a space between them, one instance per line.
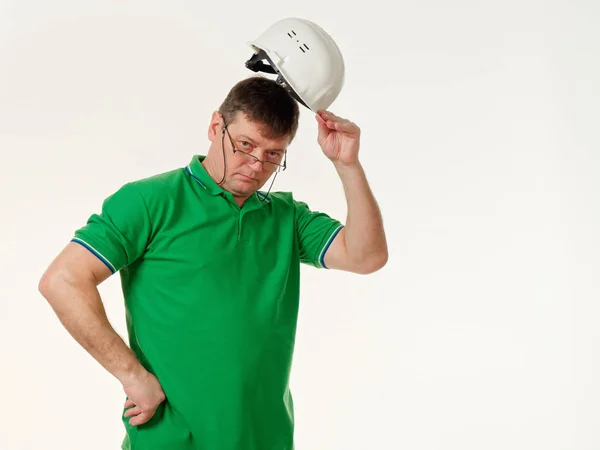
x=210 y=270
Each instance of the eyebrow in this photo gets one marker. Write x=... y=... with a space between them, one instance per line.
x=248 y=138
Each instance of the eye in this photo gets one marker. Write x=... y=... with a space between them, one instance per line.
x=245 y=144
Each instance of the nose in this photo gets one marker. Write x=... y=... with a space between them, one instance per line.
x=256 y=165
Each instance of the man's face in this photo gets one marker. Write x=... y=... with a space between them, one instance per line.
x=245 y=175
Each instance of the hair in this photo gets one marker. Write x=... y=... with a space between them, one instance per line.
x=264 y=102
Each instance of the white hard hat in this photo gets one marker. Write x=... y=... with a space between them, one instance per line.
x=306 y=59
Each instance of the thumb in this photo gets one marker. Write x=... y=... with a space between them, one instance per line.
x=323 y=129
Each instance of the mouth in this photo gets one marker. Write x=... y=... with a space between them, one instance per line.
x=246 y=177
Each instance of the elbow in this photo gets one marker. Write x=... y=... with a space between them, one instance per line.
x=44 y=284
x=374 y=264
x=53 y=283
x=56 y=288
x=47 y=284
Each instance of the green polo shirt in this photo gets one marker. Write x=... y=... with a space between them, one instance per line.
x=211 y=295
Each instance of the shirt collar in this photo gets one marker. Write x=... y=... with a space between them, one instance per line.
x=197 y=171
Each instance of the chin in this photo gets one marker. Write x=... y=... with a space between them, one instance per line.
x=243 y=188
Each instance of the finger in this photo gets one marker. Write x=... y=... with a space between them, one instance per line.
x=336 y=125
x=326 y=115
x=140 y=419
x=331 y=124
x=331 y=116
x=129 y=404
x=345 y=126
x=323 y=128
x=133 y=412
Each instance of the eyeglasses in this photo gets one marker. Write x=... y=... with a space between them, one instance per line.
x=271 y=165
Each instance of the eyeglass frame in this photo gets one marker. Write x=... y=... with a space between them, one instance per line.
x=282 y=166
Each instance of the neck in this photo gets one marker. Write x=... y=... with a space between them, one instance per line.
x=214 y=170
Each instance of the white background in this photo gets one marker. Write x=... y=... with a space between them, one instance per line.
x=480 y=141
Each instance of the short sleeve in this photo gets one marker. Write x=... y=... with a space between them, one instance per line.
x=316 y=231
x=119 y=234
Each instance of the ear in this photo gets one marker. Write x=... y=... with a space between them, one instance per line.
x=215 y=127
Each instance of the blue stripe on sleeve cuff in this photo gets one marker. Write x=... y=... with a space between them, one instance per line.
x=326 y=247
x=99 y=255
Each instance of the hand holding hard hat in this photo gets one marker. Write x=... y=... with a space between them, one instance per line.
x=339 y=138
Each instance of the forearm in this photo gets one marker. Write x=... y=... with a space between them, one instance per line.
x=79 y=307
x=365 y=239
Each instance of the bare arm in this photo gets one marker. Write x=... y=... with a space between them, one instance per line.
x=361 y=245
x=70 y=287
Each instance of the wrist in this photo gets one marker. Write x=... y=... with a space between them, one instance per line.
x=131 y=373
x=347 y=166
